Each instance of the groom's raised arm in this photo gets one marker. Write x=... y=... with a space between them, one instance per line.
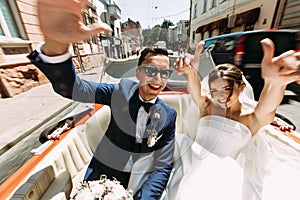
x=61 y=24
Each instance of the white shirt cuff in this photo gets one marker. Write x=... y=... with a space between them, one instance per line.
x=53 y=59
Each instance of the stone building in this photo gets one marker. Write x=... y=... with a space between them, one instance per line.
x=132 y=37
x=215 y=17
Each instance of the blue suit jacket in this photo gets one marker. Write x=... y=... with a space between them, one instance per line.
x=119 y=142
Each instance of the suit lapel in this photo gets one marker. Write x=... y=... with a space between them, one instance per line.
x=123 y=110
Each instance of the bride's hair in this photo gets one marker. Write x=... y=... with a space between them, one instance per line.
x=227 y=71
x=232 y=74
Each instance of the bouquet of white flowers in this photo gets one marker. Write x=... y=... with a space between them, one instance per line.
x=103 y=189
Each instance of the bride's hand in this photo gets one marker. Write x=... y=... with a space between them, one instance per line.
x=187 y=63
x=283 y=69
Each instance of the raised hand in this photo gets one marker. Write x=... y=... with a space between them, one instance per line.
x=187 y=63
x=277 y=72
x=283 y=69
x=61 y=23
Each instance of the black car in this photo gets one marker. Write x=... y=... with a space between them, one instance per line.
x=244 y=50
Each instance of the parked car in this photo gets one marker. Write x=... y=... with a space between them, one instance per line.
x=170 y=52
x=160 y=44
x=244 y=50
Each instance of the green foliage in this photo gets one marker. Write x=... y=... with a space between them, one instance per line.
x=166 y=24
x=157 y=33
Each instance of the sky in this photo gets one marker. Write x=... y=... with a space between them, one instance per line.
x=152 y=12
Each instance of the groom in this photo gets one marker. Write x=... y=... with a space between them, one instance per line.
x=141 y=123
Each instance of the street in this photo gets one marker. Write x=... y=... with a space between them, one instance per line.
x=27 y=115
x=19 y=153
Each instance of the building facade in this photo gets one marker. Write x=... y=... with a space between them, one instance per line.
x=110 y=13
x=132 y=37
x=215 y=17
x=178 y=36
x=288 y=15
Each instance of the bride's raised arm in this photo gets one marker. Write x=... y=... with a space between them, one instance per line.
x=188 y=65
x=277 y=73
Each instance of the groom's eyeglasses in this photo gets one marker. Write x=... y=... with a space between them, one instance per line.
x=152 y=71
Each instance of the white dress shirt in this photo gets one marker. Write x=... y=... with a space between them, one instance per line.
x=53 y=59
x=141 y=123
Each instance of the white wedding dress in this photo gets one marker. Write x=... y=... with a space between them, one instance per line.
x=254 y=168
x=219 y=159
x=209 y=170
x=222 y=136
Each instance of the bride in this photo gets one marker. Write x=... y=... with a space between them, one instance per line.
x=227 y=124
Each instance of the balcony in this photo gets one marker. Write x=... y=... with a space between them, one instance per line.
x=114 y=12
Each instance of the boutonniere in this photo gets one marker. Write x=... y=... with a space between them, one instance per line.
x=152 y=137
x=156 y=115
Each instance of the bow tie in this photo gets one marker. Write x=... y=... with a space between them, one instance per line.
x=146 y=105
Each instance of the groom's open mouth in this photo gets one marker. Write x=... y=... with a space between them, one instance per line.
x=154 y=86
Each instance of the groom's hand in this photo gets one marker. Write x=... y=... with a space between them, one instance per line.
x=61 y=23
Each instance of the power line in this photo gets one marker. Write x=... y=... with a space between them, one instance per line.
x=172 y=14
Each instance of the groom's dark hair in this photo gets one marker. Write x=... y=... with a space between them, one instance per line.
x=152 y=51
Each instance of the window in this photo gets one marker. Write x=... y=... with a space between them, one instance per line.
x=118 y=32
x=193 y=37
x=13 y=43
x=195 y=10
x=7 y=22
x=89 y=18
x=204 y=6
x=214 y=3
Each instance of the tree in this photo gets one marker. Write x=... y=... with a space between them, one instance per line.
x=146 y=34
x=164 y=32
x=166 y=24
x=157 y=33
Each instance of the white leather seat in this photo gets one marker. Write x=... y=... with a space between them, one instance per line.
x=96 y=126
x=45 y=185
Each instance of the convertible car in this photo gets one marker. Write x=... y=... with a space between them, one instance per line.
x=59 y=164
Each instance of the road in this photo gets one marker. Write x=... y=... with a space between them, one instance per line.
x=18 y=154
x=26 y=116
